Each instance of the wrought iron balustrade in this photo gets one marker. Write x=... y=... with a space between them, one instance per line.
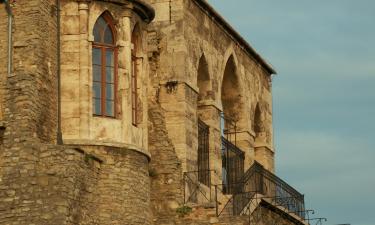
x=233 y=166
x=194 y=190
x=258 y=179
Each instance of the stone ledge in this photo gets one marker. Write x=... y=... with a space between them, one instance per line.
x=83 y=142
x=264 y=145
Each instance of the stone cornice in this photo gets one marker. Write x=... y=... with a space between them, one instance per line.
x=143 y=9
x=228 y=29
x=125 y=146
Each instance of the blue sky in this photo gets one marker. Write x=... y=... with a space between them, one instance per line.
x=324 y=97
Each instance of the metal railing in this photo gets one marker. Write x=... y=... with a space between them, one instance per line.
x=233 y=166
x=194 y=190
x=203 y=153
x=258 y=180
x=255 y=213
x=262 y=181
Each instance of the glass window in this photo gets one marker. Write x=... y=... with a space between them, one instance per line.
x=104 y=67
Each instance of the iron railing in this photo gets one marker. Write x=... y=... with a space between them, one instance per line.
x=203 y=153
x=194 y=190
x=258 y=180
x=232 y=164
x=262 y=181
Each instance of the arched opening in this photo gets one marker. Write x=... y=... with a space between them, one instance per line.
x=203 y=80
x=203 y=83
x=257 y=122
x=136 y=65
x=104 y=63
x=231 y=99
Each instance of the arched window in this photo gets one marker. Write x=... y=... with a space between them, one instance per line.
x=136 y=43
x=104 y=63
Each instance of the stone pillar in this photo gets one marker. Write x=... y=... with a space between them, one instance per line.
x=244 y=140
x=124 y=70
x=178 y=100
x=210 y=114
x=264 y=153
x=84 y=71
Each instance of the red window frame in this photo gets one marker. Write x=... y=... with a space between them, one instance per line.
x=134 y=91
x=134 y=75
x=104 y=48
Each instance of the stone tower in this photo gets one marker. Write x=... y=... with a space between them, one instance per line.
x=94 y=178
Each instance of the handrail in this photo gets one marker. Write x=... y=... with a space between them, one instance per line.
x=196 y=186
x=259 y=180
x=257 y=167
x=232 y=147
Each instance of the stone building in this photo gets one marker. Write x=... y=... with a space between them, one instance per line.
x=135 y=112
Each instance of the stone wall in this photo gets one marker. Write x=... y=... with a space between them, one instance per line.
x=47 y=184
x=122 y=193
x=3 y=57
x=184 y=35
x=165 y=170
x=42 y=183
x=262 y=215
x=31 y=92
x=206 y=37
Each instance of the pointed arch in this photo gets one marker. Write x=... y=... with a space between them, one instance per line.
x=257 y=121
x=104 y=29
x=203 y=79
x=231 y=97
x=204 y=86
x=104 y=66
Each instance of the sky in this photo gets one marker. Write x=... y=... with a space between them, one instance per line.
x=323 y=97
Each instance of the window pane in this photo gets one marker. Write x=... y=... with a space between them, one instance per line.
x=109 y=58
x=97 y=73
x=97 y=90
x=109 y=108
x=109 y=75
x=97 y=106
x=108 y=37
x=99 y=29
x=96 y=56
x=110 y=92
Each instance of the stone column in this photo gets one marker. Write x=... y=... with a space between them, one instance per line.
x=84 y=71
x=209 y=112
x=264 y=153
x=124 y=65
x=243 y=141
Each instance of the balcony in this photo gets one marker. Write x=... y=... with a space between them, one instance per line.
x=240 y=192
x=260 y=184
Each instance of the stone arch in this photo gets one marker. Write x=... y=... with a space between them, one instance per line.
x=229 y=53
x=136 y=39
x=96 y=13
x=203 y=80
x=231 y=93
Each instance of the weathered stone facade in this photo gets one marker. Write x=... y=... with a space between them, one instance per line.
x=176 y=62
